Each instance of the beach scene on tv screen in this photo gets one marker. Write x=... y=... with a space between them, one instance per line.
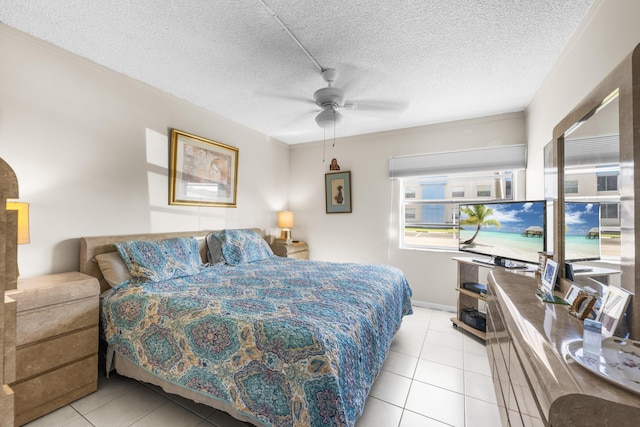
x=582 y=232
x=509 y=230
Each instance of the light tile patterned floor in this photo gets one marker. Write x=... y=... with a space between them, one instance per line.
x=435 y=375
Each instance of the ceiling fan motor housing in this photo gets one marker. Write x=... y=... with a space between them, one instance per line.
x=329 y=96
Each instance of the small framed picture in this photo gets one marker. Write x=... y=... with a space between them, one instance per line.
x=549 y=275
x=338 y=192
x=572 y=293
x=582 y=304
x=614 y=304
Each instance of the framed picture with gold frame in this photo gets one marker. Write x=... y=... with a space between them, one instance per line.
x=202 y=172
x=338 y=192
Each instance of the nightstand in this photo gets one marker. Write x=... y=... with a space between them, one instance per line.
x=56 y=342
x=299 y=250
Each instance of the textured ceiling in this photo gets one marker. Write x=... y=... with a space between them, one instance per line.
x=441 y=60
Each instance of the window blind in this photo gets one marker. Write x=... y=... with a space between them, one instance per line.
x=508 y=157
x=597 y=150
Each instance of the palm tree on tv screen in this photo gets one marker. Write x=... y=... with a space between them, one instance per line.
x=477 y=215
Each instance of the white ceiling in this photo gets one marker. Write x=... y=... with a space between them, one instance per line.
x=442 y=59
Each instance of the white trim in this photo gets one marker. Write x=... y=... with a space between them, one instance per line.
x=434 y=306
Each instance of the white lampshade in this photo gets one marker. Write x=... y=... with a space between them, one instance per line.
x=285 y=219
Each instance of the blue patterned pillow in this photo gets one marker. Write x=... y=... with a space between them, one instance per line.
x=162 y=260
x=240 y=246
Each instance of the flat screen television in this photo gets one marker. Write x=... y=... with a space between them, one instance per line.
x=511 y=230
x=582 y=231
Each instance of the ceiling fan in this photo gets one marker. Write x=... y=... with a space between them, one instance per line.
x=331 y=99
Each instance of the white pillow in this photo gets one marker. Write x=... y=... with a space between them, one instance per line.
x=113 y=268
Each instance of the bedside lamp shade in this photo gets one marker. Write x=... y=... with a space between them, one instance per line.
x=285 y=221
x=23 y=220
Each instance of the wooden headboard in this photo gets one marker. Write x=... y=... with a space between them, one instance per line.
x=92 y=246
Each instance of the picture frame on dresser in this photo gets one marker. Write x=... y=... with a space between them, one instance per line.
x=614 y=305
x=338 y=192
x=202 y=172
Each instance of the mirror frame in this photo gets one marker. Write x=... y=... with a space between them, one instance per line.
x=626 y=78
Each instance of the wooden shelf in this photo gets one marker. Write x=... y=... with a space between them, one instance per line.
x=460 y=324
x=480 y=296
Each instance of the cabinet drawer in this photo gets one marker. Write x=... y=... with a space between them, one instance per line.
x=57 y=351
x=299 y=255
x=38 y=324
x=45 y=393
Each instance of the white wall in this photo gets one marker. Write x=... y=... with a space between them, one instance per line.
x=370 y=232
x=608 y=34
x=90 y=149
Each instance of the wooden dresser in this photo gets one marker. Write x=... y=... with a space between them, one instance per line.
x=56 y=342
x=536 y=382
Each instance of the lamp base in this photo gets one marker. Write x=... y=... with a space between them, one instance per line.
x=285 y=237
x=285 y=234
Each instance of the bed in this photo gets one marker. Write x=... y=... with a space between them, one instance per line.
x=272 y=341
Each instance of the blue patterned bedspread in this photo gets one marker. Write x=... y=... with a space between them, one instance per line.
x=286 y=342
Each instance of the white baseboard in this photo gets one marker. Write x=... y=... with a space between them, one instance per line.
x=433 y=306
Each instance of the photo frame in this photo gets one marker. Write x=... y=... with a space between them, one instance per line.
x=338 y=192
x=572 y=293
x=614 y=305
x=582 y=304
x=549 y=275
x=202 y=172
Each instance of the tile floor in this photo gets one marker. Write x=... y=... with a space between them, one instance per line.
x=434 y=375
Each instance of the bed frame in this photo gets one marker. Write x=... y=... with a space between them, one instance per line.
x=92 y=246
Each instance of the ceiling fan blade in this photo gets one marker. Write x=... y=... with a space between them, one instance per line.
x=355 y=81
x=294 y=98
x=376 y=106
x=294 y=121
x=350 y=78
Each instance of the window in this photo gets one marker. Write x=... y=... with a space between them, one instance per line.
x=483 y=190
x=409 y=214
x=609 y=211
x=431 y=217
x=608 y=183
x=457 y=192
x=433 y=185
x=571 y=186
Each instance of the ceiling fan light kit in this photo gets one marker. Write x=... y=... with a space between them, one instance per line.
x=328 y=118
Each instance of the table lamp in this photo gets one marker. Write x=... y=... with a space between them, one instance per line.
x=23 y=223
x=285 y=222
x=23 y=220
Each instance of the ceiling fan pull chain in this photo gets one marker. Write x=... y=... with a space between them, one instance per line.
x=324 y=143
x=334 y=128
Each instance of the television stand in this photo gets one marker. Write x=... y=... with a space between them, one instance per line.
x=469 y=272
x=484 y=261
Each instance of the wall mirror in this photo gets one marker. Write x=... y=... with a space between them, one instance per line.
x=592 y=187
x=592 y=158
